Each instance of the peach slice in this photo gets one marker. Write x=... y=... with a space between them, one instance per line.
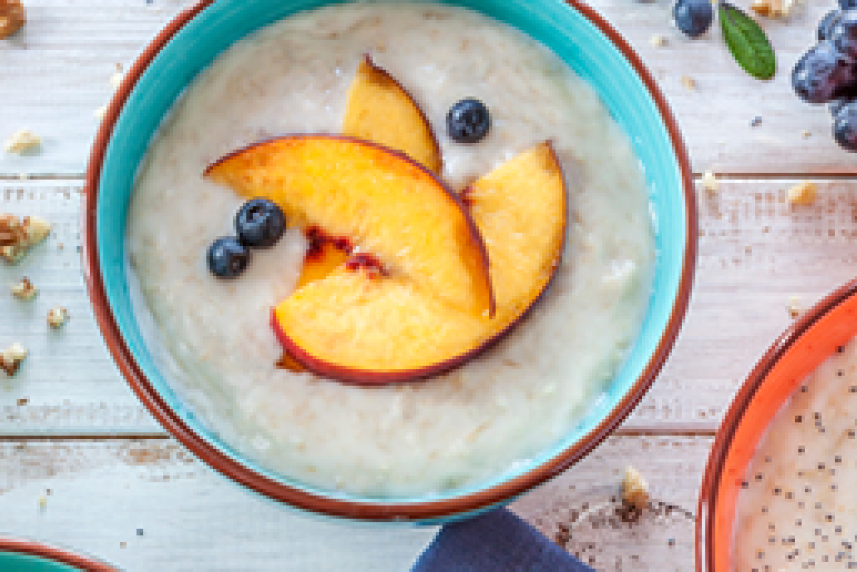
x=384 y=202
x=357 y=327
x=520 y=209
x=381 y=110
x=366 y=328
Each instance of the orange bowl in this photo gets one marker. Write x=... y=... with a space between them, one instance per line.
x=797 y=353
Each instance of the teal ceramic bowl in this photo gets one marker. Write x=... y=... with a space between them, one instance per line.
x=580 y=37
x=17 y=555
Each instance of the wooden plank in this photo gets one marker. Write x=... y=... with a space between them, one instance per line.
x=103 y=491
x=580 y=509
x=755 y=252
x=56 y=74
x=69 y=381
x=57 y=70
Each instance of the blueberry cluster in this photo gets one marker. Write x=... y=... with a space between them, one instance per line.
x=693 y=17
x=259 y=224
x=827 y=73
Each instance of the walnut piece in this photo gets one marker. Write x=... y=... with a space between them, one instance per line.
x=635 y=489
x=22 y=141
x=774 y=8
x=12 y=357
x=802 y=194
x=16 y=236
x=24 y=289
x=12 y=17
x=57 y=317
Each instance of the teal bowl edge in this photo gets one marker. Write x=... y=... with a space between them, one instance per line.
x=557 y=25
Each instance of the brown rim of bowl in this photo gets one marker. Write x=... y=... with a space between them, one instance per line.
x=705 y=511
x=53 y=553
x=377 y=511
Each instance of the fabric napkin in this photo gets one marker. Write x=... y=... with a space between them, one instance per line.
x=495 y=541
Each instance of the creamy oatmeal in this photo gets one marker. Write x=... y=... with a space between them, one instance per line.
x=213 y=337
x=798 y=510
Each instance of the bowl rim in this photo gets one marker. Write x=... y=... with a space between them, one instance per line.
x=53 y=553
x=723 y=440
x=379 y=511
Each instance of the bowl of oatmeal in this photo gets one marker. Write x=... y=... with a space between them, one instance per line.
x=778 y=488
x=475 y=341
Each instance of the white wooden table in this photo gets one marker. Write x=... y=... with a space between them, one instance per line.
x=82 y=462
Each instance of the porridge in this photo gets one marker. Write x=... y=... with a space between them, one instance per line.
x=213 y=337
x=796 y=510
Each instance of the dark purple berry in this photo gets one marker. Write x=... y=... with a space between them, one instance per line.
x=260 y=223
x=826 y=24
x=822 y=73
x=693 y=17
x=228 y=258
x=468 y=121
x=843 y=34
x=845 y=127
x=837 y=104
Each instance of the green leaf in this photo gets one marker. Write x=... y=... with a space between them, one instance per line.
x=747 y=42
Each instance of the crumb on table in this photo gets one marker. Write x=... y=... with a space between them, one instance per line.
x=635 y=489
x=802 y=194
x=22 y=141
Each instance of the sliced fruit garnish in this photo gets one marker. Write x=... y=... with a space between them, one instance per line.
x=357 y=327
x=368 y=328
x=520 y=208
x=386 y=203
x=381 y=110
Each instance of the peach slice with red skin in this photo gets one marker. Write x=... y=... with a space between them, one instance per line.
x=384 y=202
x=380 y=110
x=364 y=328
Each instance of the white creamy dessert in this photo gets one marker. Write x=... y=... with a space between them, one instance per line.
x=213 y=339
x=797 y=509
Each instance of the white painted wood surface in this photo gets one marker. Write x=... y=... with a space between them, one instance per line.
x=69 y=423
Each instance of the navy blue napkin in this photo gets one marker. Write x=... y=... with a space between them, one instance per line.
x=495 y=541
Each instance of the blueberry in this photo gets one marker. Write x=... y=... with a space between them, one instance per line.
x=843 y=34
x=468 y=121
x=836 y=105
x=260 y=223
x=848 y=4
x=826 y=24
x=227 y=257
x=821 y=74
x=845 y=127
x=693 y=17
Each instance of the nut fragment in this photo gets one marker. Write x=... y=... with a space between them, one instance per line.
x=774 y=8
x=57 y=317
x=688 y=82
x=658 y=41
x=794 y=307
x=12 y=17
x=802 y=194
x=635 y=489
x=22 y=141
x=17 y=237
x=12 y=357
x=24 y=289
x=709 y=182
